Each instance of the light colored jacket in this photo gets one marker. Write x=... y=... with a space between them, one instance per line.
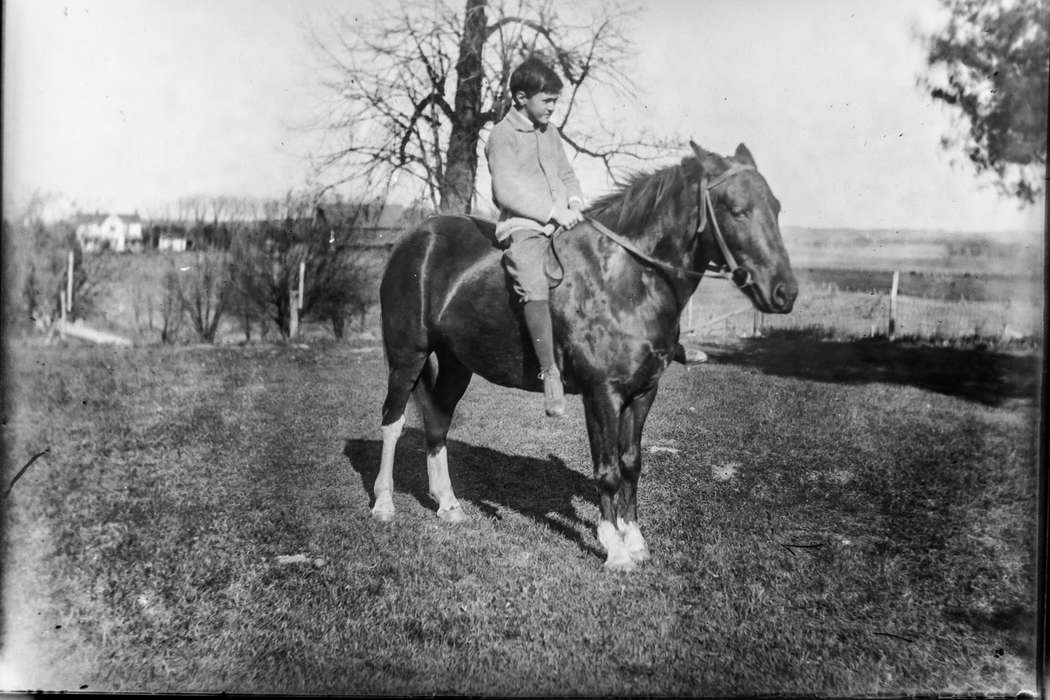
x=531 y=175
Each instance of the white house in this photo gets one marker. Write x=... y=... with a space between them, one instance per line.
x=119 y=232
x=172 y=241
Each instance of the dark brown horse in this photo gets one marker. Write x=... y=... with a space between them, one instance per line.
x=448 y=312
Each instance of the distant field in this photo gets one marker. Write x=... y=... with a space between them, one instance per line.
x=950 y=287
x=962 y=286
x=719 y=311
x=944 y=252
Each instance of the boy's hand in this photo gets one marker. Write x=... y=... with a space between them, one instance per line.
x=566 y=217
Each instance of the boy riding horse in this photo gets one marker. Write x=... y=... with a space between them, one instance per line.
x=537 y=191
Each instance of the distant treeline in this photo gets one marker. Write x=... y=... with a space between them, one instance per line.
x=358 y=225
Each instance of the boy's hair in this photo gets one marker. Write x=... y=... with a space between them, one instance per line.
x=533 y=76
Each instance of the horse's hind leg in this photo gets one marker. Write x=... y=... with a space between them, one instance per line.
x=404 y=372
x=437 y=395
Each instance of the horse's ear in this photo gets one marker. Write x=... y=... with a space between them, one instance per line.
x=697 y=151
x=744 y=156
x=706 y=159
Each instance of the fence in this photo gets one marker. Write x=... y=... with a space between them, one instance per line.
x=719 y=311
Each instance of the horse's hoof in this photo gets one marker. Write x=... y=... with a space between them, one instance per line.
x=383 y=516
x=453 y=515
x=625 y=564
x=640 y=555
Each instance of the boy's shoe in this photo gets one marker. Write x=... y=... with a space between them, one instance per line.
x=553 y=393
x=690 y=357
x=695 y=356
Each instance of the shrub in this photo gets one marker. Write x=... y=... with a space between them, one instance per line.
x=265 y=262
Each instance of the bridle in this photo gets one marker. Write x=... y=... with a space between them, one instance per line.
x=740 y=277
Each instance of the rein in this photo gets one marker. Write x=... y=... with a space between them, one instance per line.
x=739 y=275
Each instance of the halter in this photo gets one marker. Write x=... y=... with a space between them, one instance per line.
x=740 y=276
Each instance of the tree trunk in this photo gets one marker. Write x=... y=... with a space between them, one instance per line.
x=461 y=161
x=337 y=323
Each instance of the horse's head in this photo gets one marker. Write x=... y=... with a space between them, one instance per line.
x=739 y=227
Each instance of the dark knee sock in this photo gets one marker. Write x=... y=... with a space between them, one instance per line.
x=538 y=321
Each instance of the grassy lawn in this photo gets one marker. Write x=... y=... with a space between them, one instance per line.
x=815 y=530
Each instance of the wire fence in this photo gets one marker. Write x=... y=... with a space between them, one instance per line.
x=719 y=311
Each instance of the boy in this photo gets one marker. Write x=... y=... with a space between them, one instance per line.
x=536 y=190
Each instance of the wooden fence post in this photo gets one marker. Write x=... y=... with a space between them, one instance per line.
x=69 y=285
x=295 y=303
x=302 y=277
x=62 y=315
x=293 y=315
x=893 y=304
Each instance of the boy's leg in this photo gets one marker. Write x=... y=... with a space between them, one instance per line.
x=524 y=256
x=538 y=321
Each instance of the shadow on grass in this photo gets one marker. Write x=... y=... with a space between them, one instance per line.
x=541 y=490
x=985 y=376
x=1016 y=624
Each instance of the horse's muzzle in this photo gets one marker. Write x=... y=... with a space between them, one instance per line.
x=782 y=298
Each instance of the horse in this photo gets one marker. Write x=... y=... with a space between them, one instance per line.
x=448 y=312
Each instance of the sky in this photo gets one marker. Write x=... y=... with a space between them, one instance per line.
x=131 y=104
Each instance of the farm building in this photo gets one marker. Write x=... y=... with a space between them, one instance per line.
x=172 y=238
x=118 y=232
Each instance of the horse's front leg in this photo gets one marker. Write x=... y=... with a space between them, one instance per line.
x=602 y=409
x=632 y=420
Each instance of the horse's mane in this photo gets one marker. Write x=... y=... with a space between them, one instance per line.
x=635 y=202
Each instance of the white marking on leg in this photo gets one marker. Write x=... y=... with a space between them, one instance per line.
x=619 y=559
x=633 y=540
x=384 y=486
x=449 y=509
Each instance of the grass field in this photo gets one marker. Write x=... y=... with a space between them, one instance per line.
x=825 y=518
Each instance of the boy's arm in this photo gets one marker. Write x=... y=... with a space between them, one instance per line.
x=509 y=189
x=568 y=176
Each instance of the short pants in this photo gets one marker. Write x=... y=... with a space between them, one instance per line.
x=524 y=256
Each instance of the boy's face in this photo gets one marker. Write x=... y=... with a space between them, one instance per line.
x=539 y=107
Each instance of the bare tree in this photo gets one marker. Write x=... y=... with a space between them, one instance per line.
x=412 y=89
x=172 y=310
x=204 y=292
x=265 y=262
x=36 y=264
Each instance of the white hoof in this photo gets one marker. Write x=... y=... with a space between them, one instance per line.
x=640 y=555
x=383 y=515
x=383 y=510
x=620 y=561
x=633 y=540
x=454 y=514
x=619 y=558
